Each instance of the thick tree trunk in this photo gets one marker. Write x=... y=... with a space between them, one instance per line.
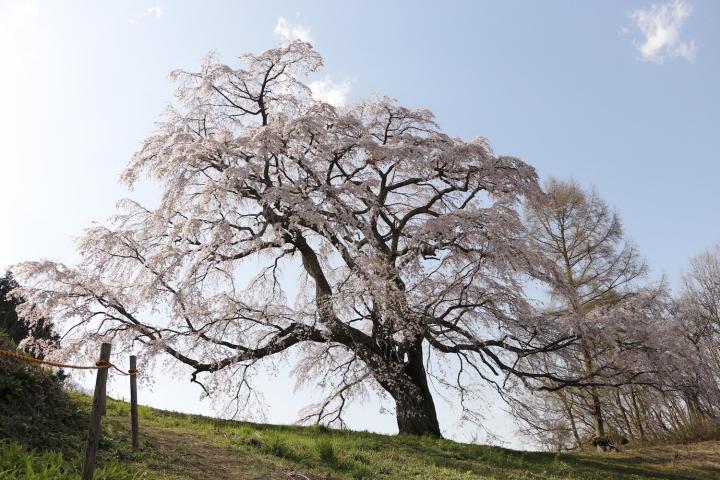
x=417 y=416
x=414 y=405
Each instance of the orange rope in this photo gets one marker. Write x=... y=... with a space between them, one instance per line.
x=98 y=364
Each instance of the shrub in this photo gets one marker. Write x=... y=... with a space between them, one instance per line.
x=276 y=444
x=34 y=409
x=326 y=450
x=613 y=441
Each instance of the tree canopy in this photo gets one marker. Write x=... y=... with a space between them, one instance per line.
x=412 y=250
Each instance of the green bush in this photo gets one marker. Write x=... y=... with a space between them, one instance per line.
x=276 y=444
x=326 y=450
x=609 y=441
x=34 y=409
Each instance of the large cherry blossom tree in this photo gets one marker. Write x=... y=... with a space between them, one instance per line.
x=412 y=250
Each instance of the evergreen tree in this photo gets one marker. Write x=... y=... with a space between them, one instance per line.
x=16 y=327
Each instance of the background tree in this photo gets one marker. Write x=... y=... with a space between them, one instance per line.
x=652 y=380
x=682 y=402
x=37 y=336
x=595 y=297
x=699 y=303
x=698 y=309
x=409 y=243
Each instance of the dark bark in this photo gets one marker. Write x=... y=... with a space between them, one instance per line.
x=416 y=415
x=598 y=420
x=638 y=415
x=414 y=406
x=571 y=417
x=623 y=411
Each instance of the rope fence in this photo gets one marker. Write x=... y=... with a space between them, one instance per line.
x=37 y=361
x=99 y=403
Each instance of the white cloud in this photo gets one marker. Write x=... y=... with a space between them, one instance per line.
x=328 y=91
x=155 y=11
x=325 y=90
x=660 y=26
x=290 y=32
x=27 y=9
x=22 y=23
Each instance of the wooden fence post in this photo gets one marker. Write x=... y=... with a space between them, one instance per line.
x=133 y=403
x=99 y=407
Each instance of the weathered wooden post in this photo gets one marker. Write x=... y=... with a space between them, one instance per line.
x=133 y=403
x=99 y=406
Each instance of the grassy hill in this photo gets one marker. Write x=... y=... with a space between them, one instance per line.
x=178 y=446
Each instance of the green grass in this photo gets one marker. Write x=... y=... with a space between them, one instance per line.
x=181 y=447
x=18 y=463
x=43 y=430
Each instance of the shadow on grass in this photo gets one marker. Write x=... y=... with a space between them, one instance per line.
x=487 y=459
x=355 y=452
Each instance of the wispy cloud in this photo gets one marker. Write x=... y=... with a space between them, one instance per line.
x=328 y=91
x=661 y=28
x=289 y=32
x=22 y=22
x=27 y=9
x=155 y=12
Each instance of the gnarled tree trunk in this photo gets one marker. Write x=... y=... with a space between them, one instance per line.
x=416 y=415
x=414 y=404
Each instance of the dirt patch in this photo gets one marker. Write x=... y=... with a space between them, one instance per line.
x=187 y=455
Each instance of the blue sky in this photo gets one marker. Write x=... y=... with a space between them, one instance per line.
x=622 y=95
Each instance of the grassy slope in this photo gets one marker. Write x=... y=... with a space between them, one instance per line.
x=178 y=446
